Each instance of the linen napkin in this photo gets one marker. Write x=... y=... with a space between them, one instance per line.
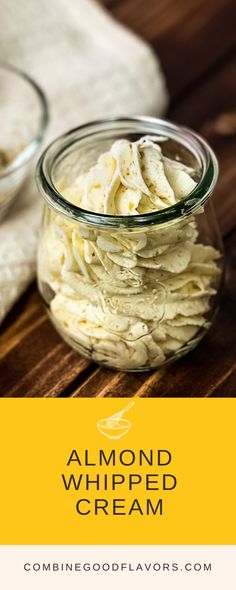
x=89 y=66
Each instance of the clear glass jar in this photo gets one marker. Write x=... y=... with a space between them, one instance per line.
x=129 y=292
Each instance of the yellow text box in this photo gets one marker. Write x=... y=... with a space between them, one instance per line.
x=39 y=435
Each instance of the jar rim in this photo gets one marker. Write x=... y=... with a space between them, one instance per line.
x=185 y=136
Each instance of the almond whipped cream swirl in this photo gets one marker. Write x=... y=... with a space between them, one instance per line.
x=129 y=299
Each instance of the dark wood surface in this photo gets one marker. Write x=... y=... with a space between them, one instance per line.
x=196 y=43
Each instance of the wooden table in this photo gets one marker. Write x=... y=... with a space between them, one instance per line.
x=195 y=41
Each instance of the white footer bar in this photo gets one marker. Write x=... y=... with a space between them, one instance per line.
x=118 y=567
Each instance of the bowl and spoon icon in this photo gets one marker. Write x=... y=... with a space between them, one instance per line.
x=115 y=426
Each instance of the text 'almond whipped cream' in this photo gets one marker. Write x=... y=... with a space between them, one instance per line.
x=129 y=299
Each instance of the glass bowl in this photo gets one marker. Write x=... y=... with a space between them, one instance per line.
x=24 y=117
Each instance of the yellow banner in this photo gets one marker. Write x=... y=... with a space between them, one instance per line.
x=78 y=471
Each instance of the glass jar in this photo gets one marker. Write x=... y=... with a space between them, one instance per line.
x=130 y=292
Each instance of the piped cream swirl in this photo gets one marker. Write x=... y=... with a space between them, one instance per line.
x=131 y=179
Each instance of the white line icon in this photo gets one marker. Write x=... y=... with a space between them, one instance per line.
x=115 y=426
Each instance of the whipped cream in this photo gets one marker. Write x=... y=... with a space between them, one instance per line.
x=128 y=298
x=131 y=179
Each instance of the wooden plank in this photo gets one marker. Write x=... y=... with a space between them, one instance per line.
x=34 y=360
x=26 y=313
x=211 y=366
x=227 y=386
x=211 y=109
x=204 y=103
x=107 y=383
x=189 y=36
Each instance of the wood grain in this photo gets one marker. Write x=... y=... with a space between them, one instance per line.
x=195 y=41
x=210 y=108
x=189 y=36
x=43 y=365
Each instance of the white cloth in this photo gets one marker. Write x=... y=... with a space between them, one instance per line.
x=89 y=66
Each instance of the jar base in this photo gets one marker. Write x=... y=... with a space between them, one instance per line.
x=181 y=352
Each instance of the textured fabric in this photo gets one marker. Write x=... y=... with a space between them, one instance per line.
x=89 y=66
